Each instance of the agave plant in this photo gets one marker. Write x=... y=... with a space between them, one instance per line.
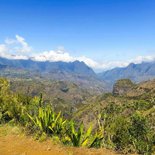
x=57 y=124
x=48 y=121
x=77 y=136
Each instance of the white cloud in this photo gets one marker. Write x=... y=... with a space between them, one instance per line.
x=137 y=60
x=62 y=55
x=17 y=45
x=18 y=48
x=89 y=62
x=140 y=59
x=3 y=50
x=15 y=48
x=24 y=45
x=57 y=55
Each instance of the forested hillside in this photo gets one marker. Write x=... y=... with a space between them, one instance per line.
x=122 y=121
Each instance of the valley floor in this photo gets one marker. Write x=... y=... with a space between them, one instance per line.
x=14 y=142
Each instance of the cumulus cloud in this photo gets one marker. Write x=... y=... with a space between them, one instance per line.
x=113 y=64
x=58 y=55
x=17 y=45
x=18 y=48
x=62 y=55
x=24 y=45
x=140 y=59
x=15 y=48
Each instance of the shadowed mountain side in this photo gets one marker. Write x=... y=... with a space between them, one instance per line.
x=135 y=72
x=76 y=72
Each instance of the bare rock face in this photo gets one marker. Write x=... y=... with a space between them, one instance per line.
x=121 y=87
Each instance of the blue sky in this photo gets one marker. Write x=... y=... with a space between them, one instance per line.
x=112 y=32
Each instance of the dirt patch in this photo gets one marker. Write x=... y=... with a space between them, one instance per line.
x=12 y=143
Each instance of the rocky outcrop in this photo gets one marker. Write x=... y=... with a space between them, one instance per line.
x=121 y=87
x=125 y=87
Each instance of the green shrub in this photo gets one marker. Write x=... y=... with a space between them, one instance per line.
x=121 y=137
x=142 y=105
x=142 y=136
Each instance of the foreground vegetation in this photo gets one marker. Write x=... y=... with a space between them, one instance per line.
x=128 y=128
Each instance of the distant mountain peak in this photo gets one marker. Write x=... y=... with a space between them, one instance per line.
x=76 y=71
x=135 y=72
x=75 y=67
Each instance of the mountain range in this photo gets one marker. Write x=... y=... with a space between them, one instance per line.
x=135 y=72
x=47 y=67
x=76 y=72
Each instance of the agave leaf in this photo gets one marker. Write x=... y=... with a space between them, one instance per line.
x=89 y=131
x=84 y=143
x=33 y=120
x=51 y=128
x=79 y=134
x=72 y=127
x=64 y=122
x=75 y=140
x=97 y=139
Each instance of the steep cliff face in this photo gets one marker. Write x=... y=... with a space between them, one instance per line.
x=126 y=87
x=122 y=87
